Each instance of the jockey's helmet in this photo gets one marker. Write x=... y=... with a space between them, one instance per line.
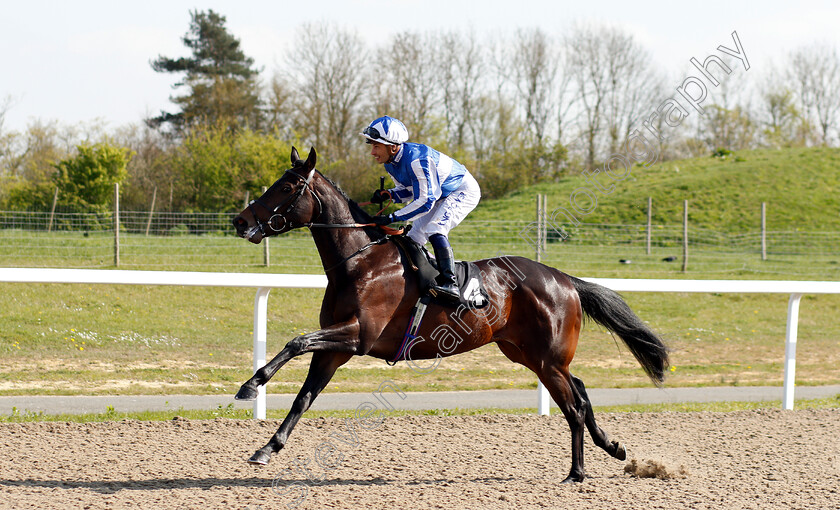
x=387 y=130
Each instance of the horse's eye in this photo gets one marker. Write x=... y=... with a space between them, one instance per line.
x=287 y=188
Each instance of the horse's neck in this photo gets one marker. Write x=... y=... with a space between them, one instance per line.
x=336 y=244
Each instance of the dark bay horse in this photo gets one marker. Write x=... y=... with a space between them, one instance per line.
x=535 y=316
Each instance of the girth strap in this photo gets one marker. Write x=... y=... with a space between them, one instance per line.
x=413 y=326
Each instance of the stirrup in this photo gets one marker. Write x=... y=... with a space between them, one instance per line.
x=447 y=292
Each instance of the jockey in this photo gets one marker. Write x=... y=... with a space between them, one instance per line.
x=440 y=192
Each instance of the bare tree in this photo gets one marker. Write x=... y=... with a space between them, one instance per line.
x=533 y=69
x=636 y=86
x=565 y=100
x=498 y=105
x=588 y=64
x=781 y=114
x=616 y=82
x=5 y=106
x=8 y=161
x=328 y=66
x=731 y=129
x=776 y=112
x=411 y=88
x=281 y=107
x=152 y=167
x=815 y=72
x=462 y=69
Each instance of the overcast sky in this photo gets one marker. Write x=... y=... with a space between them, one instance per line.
x=81 y=60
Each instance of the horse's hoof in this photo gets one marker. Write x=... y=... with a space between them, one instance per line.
x=260 y=458
x=573 y=479
x=246 y=393
x=620 y=451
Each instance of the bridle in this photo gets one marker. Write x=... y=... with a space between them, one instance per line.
x=291 y=200
x=277 y=220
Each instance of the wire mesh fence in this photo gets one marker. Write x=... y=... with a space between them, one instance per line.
x=169 y=240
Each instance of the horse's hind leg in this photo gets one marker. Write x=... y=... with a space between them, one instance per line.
x=599 y=436
x=558 y=381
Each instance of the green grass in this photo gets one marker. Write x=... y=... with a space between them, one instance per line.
x=801 y=187
x=60 y=339
x=175 y=340
x=277 y=414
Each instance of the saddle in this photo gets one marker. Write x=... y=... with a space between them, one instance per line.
x=417 y=259
x=471 y=292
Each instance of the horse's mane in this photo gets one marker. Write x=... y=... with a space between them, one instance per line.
x=359 y=214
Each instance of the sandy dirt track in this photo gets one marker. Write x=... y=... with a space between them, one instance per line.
x=763 y=460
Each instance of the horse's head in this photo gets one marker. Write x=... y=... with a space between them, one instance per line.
x=289 y=203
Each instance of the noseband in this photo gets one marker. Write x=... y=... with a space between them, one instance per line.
x=279 y=218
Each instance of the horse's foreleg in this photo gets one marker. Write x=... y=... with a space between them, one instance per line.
x=599 y=436
x=339 y=338
x=321 y=370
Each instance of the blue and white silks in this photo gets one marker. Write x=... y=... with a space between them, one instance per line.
x=424 y=176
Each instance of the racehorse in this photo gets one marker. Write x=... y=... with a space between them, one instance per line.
x=537 y=311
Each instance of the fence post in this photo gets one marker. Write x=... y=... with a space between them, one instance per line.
x=52 y=210
x=538 y=246
x=545 y=223
x=650 y=207
x=790 y=351
x=685 y=236
x=260 y=319
x=266 y=249
x=247 y=199
x=151 y=211
x=116 y=224
x=543 y=398
x=764 y=231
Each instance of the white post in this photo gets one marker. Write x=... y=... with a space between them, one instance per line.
x=790 y=350
x=260 y=320
x=543 y=400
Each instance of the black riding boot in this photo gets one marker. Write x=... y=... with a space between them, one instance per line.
x=447 y=286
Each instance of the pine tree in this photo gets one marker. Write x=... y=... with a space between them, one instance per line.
x=221 y=80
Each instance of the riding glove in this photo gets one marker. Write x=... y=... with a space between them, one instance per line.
x=383 y=220
x=380 y=196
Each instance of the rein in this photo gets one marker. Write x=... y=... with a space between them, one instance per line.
x=270 y=224
x=391 y=231
x=294 y=198
x=381 y=240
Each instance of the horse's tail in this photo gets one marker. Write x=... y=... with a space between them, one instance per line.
x=608 y=309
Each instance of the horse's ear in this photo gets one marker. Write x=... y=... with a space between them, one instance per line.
x=310 y=160
x=295 y=157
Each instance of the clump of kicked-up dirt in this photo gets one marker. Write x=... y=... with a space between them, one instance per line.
x=655 y=469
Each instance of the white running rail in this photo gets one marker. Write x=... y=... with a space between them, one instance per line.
x=264 y=282
x=795 y=288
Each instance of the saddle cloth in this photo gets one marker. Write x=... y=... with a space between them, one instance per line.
x=418 y=260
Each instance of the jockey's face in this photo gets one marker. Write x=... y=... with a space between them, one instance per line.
x=381 y=152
